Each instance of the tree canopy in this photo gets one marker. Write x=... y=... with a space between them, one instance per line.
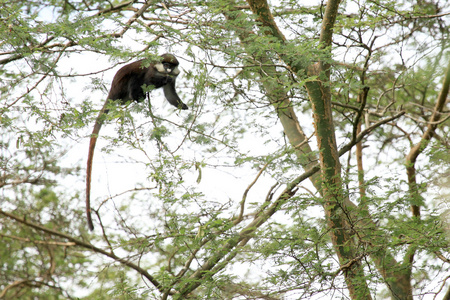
x=313 y=162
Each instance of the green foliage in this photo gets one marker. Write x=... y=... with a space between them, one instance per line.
x=45 y=260
x=213 y=202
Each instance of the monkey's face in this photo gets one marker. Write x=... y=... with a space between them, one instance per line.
x=167 y=68
x=171 y=69
x=168 y=65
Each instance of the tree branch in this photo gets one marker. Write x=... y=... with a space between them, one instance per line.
x=86 y=246
x=417 y=149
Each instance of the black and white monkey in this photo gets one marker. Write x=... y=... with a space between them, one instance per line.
x=128 y=85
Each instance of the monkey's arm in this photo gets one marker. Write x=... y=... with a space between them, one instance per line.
x=172 y=96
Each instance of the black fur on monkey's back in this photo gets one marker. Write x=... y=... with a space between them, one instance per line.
x=134 y=91
x=126 y=86
x=133 y=76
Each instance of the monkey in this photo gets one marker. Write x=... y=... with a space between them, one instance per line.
x=128 y=85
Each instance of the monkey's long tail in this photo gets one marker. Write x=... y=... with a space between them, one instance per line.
x=98 y=125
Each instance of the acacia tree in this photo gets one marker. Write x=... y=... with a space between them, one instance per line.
x=332 y=119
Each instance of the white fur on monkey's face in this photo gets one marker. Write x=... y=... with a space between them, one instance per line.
x=167 y=69
x=176 y=71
